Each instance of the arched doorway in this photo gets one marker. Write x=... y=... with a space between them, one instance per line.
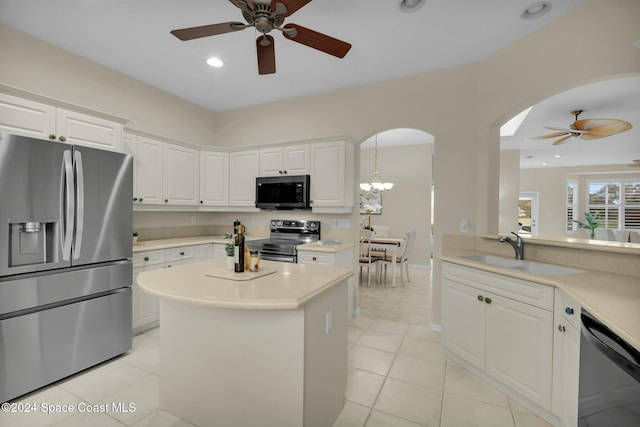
x=404 y=158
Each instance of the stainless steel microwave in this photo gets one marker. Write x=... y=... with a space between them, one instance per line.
x=283 y=192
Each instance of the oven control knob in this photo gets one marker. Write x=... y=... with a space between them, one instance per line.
x=279 y=223
x=313 y=225
x=273 y=223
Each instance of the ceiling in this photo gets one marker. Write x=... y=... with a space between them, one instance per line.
x=132 y=37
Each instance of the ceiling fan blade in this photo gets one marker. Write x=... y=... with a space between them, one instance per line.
x=599 y=128
x=552 y=135
x=266 y=54
x=566 y=130
x=245 y=6
x=316 y=40
x=562 y=140
x=185 y=34
x=292 y=5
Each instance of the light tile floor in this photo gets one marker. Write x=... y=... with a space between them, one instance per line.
x=397 y=376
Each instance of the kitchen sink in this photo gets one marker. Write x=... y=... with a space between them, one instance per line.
x=523 y=265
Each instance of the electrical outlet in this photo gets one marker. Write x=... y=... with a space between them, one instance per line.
x=329 y=321
x=344 y=223
x=193 y=219
x=334 y=223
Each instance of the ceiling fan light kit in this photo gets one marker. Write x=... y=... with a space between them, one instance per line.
x=536 y=10
x=265 y=16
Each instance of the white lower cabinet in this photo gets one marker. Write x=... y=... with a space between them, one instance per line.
x=566 y=359
x=146 y=307
x=502 y=326
x=343 y=258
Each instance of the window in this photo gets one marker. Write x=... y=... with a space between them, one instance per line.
x=571 y=198
x=616 y=203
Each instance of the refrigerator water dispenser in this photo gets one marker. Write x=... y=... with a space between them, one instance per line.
x=31 y=242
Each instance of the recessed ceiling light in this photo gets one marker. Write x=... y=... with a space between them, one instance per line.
x=529 y=157
x=410 y=5
x=536 y=10
x=557 y=156
x=215 y=62
x=545 y=163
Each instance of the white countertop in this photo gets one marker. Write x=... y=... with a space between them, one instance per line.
x=154 y=245
x=290 y=287
x=612 y=298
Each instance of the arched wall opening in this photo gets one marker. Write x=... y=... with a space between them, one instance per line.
x=404 y=158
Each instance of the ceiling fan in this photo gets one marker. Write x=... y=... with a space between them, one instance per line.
x=587 y=129
x=264 y=16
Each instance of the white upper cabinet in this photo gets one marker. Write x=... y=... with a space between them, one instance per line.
x=244 y=168
x=332 y=180
x=214 y=178
x=147 y=169
x=287 y=160
x=36 y=120
x=181 y=180
x=81 y=129
x=27 y=118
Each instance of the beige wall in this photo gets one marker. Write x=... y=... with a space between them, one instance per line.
x=509 y=190
x=408 y=204
x=463 y=107
x=33 y=65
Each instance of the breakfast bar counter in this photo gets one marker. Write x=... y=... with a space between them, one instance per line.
x=240 y=349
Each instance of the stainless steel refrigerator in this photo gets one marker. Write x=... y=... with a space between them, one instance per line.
x=65 y=260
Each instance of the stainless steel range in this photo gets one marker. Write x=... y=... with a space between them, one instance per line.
x=285 y=236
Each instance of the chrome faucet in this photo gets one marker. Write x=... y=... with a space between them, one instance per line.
x=518 y=245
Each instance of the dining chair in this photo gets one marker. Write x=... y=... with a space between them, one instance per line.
x=402 y=259
x=367 y=258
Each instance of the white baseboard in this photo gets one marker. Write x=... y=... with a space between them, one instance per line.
x=420 y=266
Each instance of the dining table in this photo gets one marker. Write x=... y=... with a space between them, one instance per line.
x=388 y=244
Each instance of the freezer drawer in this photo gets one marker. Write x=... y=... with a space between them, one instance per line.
x=29 y=292
x=43 y=347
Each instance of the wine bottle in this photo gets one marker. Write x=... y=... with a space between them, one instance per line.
x=238 y=250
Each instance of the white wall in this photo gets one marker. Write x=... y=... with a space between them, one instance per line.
x=408 y=204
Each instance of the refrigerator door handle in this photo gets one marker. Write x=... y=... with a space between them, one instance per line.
x=77 y=246
x=69 y=207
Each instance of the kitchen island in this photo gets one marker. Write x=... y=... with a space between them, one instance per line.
x=268 y=350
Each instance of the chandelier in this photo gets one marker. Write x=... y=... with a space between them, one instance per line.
x=376 y=185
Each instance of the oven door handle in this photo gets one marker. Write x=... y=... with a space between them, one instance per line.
x=281 y=258
x=629 y=365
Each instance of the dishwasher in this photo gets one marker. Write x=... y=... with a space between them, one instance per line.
x=609 y=377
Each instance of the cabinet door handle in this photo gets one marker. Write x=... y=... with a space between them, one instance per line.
x=314 y=258
x=285 y=172
x=561 y=328
x=52 y=137
x=62 y=139
x=135 y=199
x=181 y=253
x=201 y=202
x=480 y=298
x=166 y=200
x=146 y=258
x=140 y=199
x=487 y=300
x=569 y=311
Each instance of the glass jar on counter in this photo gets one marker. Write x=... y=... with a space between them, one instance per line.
x=254 y=261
